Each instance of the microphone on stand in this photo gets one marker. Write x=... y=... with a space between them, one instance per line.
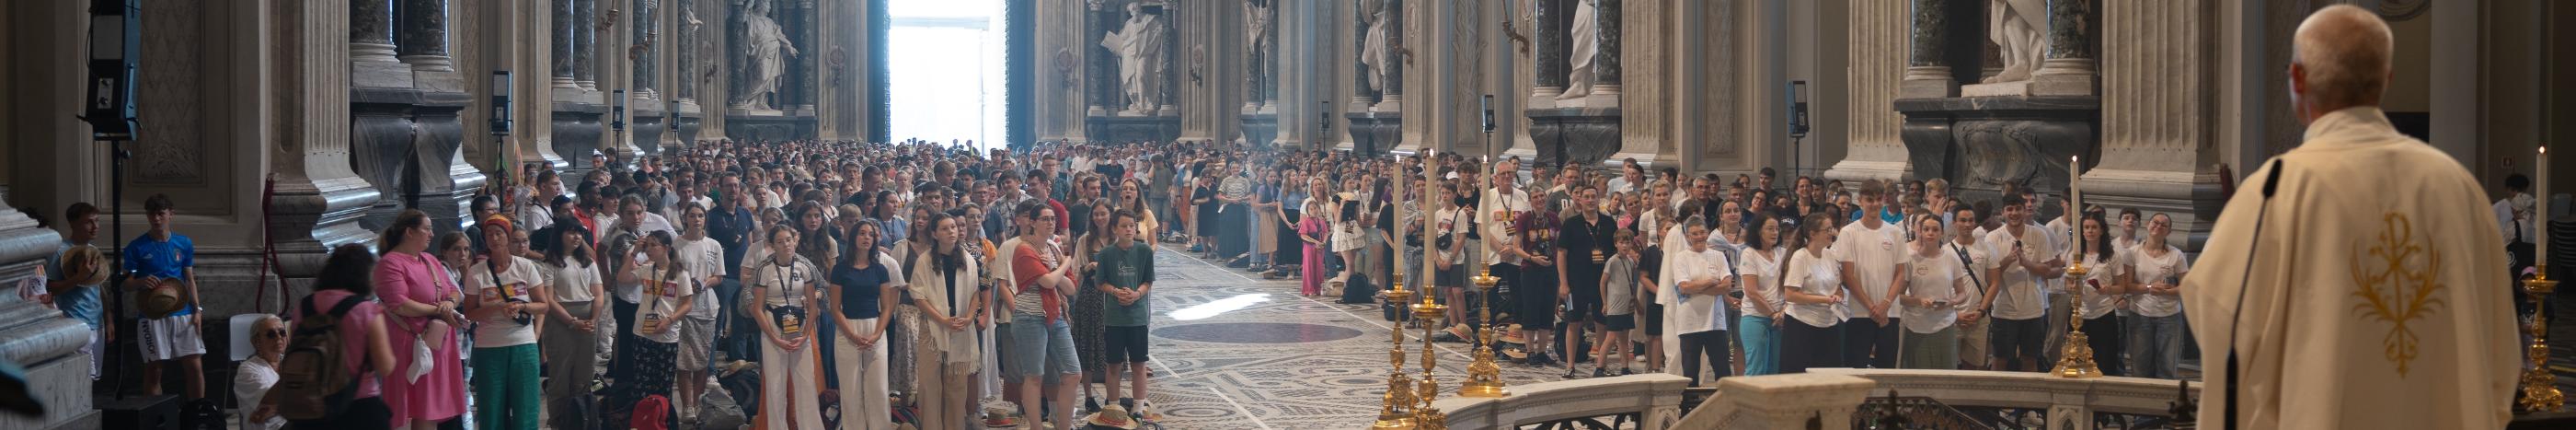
x=2271 y=186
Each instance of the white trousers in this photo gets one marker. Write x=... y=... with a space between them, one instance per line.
x=863 y=381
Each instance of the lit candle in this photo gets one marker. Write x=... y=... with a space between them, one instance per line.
x=2075 y=195
x=2540 y=212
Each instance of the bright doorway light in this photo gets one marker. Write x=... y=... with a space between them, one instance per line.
x=945 y=70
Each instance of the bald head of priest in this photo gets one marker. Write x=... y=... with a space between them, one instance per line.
x=2340 y=58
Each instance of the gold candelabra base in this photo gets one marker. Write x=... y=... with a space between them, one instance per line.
x=2075 y=361
x=1484 y=377
x=2539 y=384
x=1426 y=417
x=1395 y=413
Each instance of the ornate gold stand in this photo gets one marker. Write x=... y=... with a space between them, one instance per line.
x=1395 y=413
x=1426 y=417
x=2539 y=385
x=2076 y=360
x=1484 y=378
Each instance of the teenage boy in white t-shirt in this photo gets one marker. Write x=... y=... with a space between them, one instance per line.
x=2016 y=273
x=1873 y=261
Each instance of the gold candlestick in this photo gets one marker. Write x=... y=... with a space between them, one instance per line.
x=2539 y=385
x=2077 y=359
x=1484 y=378
x=1426 y=417
x=1395 y=411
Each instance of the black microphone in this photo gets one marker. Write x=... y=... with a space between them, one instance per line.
x=2271 y=185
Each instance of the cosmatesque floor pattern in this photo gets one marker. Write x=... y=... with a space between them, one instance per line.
x=1233 y=351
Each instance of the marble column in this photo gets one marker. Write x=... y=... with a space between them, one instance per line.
x=371 y=27
x=585 y=43
x=1548 y=37
x=1879 y=61
x=1391 y=98
x=2069 y=69
x=1605 y=62
x=562 y=60
x=424 y=35
x=2152 y=135
x=1926 y=74
x=647 y=30
x=684 y=83
x=1095 y=60
x=806 y=20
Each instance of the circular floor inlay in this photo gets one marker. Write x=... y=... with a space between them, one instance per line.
x=1257 y=333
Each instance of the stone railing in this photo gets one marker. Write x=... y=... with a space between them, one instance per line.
x=1792 y=401
x=1827 y=398
x=1650 y=401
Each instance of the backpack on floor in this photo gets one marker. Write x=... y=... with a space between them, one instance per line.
x=313 y=379
x=652 y=413
x=578 y=412
x=1358 y=290
x=744 y=383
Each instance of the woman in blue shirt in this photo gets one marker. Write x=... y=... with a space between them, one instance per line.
x=859 y=284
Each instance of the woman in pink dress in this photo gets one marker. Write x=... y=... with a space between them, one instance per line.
x=1313 y=230
x=421 y=298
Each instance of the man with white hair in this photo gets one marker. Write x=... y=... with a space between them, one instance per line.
x=2370 y=300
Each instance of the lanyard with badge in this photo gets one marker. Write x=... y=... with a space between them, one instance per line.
x=790 y=317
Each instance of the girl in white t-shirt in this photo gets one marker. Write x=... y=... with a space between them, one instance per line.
x=2102 y=292
x=1813 y=282
x=664 y=300
x=1758 y=270
x=576 y=315
x=1936 y=288
x=2155 y=273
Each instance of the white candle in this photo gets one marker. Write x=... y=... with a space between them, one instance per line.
x=2540 y=211
x=2075 y=195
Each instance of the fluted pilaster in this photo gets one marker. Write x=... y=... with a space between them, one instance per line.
x=1881 y=54
x=2159 y=110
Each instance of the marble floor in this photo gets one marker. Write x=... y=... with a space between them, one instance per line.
x=1233 y=351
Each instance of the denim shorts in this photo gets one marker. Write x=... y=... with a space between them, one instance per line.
x=1038 y=345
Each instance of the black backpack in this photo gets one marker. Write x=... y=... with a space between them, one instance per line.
x=313 y=380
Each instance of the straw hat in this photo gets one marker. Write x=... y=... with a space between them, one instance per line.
x=1110 y=417
x=85 y=256
x=1512 y=334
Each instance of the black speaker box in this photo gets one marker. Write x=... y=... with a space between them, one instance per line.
x=140 y=413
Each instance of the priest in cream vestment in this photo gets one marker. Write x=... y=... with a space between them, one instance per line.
x=2373 y=299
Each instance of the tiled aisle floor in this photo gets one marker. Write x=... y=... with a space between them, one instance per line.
x=1233 y=351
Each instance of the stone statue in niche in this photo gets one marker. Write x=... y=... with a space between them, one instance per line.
x=1375 y=56
x=1586 y=36
x=1256 y=39
x=765 y=49
x=2018 y=28
x=1139 y=46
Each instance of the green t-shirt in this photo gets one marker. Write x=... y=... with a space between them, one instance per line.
x=1126 y=267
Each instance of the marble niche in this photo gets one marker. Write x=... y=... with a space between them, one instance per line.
x=1574 y=104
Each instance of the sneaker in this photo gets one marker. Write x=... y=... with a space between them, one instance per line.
x=1598 y=372
x=1623 y=371
x=1569 y=372
x=1090 y=405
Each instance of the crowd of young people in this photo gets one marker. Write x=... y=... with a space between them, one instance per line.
x=871 y=284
